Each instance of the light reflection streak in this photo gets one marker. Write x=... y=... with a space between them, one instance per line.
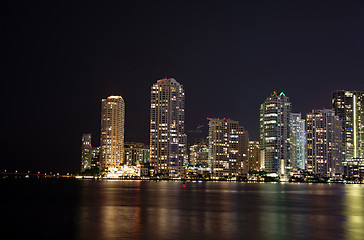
x=354 y=212
x=166 y=210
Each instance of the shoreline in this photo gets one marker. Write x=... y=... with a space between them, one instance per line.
x=40 y=178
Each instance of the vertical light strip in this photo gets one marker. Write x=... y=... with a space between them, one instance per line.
x=354 y=109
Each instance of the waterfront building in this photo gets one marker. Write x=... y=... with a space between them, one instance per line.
x=95 y=158
x=354 y=168
x=112 y=133
x=298 y=141
x=185 y=151
x=136 y=153
x=86 y=152
x=197 y=172
x=349 y=106
x=228 y=148
x=254 y=163
x=199 y=154
x=128 y=171
x=167 y=134
x=275 y=134
x=323 y=143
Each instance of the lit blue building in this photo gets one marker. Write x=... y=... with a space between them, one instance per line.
x=298 y=141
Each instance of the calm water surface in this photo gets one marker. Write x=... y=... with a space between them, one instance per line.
x=171 y=210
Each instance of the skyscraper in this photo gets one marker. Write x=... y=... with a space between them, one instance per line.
x=228 y=148
x=275 y=133
x=298 y=141
x=323 y=143
x=112 y=133
x=95 y=160
x=185 y=151
x=86 y=149
x=349 y=106
x=254 y=156
x=167 y=127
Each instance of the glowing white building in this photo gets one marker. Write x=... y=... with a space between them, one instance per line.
x=275 y=134
x=167 y=133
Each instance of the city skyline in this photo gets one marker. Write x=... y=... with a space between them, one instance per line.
x=86 y=137
x=62 y=59
x=285 y=147
x=183 y=119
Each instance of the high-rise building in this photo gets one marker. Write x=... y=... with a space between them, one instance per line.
x=112 y=133
x=323 y=143
x=95 y=159
x=167 y=134
x=349 y=106
x=136 y=153
x=254 y=156
x=298 y=142
x=86 y=149
x=275 y=133
x=228 y=148
x=185 y=151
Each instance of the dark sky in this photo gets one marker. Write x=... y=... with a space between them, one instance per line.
x=62 y=58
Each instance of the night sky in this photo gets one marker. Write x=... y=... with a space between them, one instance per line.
x=62 y=58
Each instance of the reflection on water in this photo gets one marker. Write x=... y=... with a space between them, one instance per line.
x=106 y=212
x=220 y=210
x=354 y=213
x=171 y=210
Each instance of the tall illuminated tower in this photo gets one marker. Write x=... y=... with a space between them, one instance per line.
x=349 y=106
x=228 y=148
x=298 y=141
x=112 y=133
x=275 y=133
x=323 y=143
x=167 y=134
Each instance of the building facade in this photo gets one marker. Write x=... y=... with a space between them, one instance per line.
x=136 y=153
x=254 y=163
x=185 y=151
x=275 y=134
x=349 y=106
x=95 y=159
x=167 y=133
x=86 y=152
x=298 y=141
x=324 y=143
x=199 y=154
x=112 y=133
x=228 y=148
